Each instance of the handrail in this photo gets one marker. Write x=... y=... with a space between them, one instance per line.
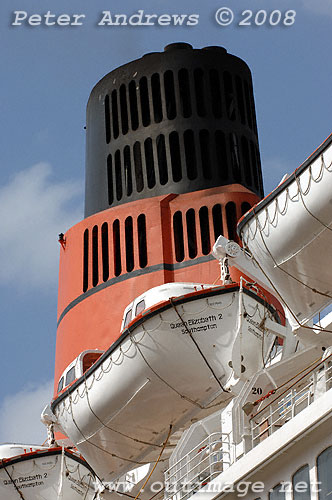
x=199 y=445
x=292 y=385
x=284 y=408
x=205 y=459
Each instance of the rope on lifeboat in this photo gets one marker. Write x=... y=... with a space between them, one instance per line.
x=12 y=480
x=197 y=346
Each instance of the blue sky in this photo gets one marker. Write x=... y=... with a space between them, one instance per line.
x=47 y=74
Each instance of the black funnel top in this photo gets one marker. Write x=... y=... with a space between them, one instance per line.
x=171 y=122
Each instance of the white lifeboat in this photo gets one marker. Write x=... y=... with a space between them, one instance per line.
x=289 y=235
x=175 y=360
x=36 y=473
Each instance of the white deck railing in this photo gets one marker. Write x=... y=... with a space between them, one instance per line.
x=291 y=402
x=202 y=464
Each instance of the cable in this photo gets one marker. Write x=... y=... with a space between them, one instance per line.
x=155 y=465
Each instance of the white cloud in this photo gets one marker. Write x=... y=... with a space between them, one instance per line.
x=20 y=415
x=34 y=210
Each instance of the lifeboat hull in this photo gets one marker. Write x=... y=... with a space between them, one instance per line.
x=170 y=366
x=48 y=473
x=289 y=234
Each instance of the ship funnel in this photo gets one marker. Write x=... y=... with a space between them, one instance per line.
x=178 y=121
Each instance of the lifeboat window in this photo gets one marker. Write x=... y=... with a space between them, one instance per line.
x=60 y=384
x=127 y=318
x=70 y=377
x=89 y=359
x=140 y=307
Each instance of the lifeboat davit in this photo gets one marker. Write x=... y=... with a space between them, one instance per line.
x=33 y=473
x=182 y=349
x=289 y=235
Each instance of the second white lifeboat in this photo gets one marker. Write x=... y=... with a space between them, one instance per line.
x=37 y=473
x=289 y=235
x=175 y=360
